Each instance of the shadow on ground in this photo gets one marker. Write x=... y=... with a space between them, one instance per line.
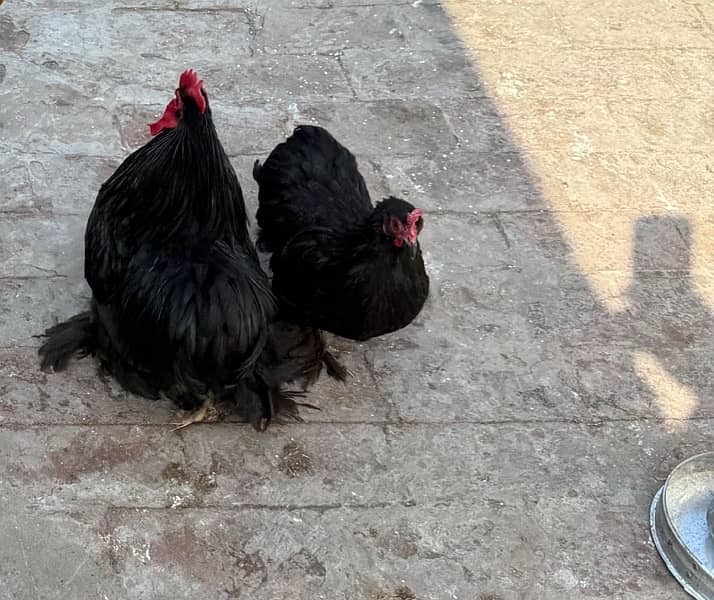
x=505 y=446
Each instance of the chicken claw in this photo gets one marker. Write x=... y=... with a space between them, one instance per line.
x=207 y=413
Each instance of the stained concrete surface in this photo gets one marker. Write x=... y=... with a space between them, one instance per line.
x=505 y=446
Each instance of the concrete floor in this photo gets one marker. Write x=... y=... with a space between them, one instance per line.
x=506 y=446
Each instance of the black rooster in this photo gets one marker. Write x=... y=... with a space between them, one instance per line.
x=339 y=263
x=180 y=304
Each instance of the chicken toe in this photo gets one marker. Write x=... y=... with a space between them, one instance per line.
x=207 y=413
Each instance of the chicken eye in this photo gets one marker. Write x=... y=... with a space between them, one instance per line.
x=419 y=224
x=395 y=226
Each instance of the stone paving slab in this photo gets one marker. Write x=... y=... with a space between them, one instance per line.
x=392 y=75
x=250 y=512
x=507 y=444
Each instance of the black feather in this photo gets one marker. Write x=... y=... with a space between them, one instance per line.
x=74 y=337
x=334 y=265
x=180 y=304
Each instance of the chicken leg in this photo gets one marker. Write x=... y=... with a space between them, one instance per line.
x=335 y=368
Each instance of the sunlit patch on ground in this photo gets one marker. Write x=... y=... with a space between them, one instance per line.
x=600 y=100
x=675 y=401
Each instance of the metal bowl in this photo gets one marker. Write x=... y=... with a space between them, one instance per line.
x=681 y=520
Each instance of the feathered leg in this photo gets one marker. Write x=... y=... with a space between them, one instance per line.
x=335 y=368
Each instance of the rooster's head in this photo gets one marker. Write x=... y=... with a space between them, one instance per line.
x=401 y=223
x=189 y=96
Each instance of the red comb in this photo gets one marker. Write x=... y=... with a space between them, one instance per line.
x=191 y=85
x=189 y=79
x=413 y=216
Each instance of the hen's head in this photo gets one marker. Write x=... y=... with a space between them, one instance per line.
x=189 y=96
x=401 y=222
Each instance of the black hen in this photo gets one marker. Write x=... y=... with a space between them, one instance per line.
x=339 y=263
x=180 y=304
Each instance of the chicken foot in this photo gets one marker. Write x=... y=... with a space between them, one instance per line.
x=335 y=368
x=207 y=413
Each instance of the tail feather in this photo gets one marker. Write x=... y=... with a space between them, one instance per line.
x=74 y=337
